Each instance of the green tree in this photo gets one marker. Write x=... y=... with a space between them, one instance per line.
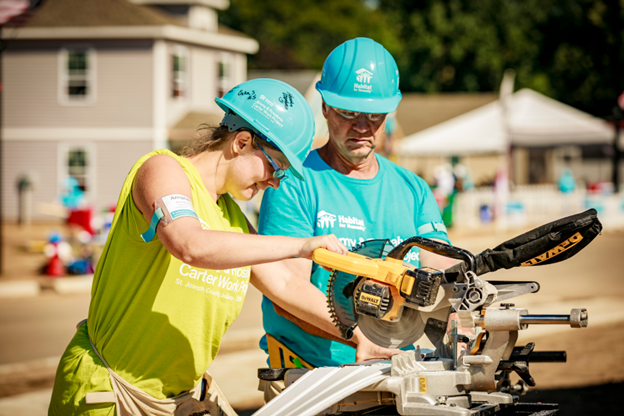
x=300 y=34
x=569 y=50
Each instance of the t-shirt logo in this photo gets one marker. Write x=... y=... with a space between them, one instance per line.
x=325 y=220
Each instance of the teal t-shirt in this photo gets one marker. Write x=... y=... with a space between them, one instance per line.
x=396 y=205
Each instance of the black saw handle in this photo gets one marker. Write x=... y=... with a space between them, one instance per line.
x=400 y=251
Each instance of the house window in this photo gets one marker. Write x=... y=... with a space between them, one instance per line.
x=224 y=76
x=179 y=73
x=76 y=160
x=77 y=166
x=77 y=75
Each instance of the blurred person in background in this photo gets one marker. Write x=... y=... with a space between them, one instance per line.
x=566 y=181
x=349 y=191
x=162 y=299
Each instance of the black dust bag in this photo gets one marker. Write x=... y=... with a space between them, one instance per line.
x=550 y=243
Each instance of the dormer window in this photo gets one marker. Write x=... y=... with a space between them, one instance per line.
x=77 y=76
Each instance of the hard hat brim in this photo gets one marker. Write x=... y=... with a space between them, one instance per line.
x=296 y=166
x=360 y=105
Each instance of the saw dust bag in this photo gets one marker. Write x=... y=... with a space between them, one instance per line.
x=550 y=243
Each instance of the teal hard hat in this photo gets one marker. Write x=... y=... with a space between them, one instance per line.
x=277 y=112
x=360 y=75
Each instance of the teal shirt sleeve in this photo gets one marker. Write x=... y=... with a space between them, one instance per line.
x=285 y=211
x=429 y=223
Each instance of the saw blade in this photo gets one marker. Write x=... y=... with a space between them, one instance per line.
x=383 y=333
x=393 y=334
x=339 y=300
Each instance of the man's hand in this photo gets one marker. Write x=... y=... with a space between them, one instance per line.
x=367 y=350
x=461 y=346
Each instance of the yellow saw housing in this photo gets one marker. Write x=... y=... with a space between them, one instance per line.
x=390 y=272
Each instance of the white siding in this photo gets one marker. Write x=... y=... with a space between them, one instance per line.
x=203 y=79
x=123 y=82
x=240 y=68
x=112 y=159
x=38 y=160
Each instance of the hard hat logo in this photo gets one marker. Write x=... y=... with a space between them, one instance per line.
x=267 y=111
x=364 y=75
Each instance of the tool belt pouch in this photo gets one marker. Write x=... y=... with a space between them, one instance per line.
x=211 y=403
x=550 y=243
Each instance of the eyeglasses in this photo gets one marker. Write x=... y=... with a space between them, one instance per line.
x=352 y=115
x=278 y=173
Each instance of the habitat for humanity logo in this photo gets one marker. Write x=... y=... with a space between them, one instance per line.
x=325 y=220
x=363 y=78
x=351 y=222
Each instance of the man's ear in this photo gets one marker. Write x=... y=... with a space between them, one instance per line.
x=325 y=108
x=242 y=141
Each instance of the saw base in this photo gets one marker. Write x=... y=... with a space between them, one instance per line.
x=404 y=386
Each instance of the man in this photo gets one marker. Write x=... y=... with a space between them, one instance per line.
x=349 y=190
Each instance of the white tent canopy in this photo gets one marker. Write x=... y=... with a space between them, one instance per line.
x=532 y=120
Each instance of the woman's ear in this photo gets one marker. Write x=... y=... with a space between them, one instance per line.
x=242 y=141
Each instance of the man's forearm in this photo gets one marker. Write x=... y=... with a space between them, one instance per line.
x=309 y=328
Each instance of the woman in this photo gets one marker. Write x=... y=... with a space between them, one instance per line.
x=175 y=268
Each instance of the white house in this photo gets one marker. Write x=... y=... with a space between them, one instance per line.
x=89 y=86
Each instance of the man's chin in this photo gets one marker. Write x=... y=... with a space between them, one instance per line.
x=360 y=151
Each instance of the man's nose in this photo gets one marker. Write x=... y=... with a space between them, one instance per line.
x=360 y=124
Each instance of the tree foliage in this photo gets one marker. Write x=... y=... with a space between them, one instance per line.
x=570 y=50
x=300 y=34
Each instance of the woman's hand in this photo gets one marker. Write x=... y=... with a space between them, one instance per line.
x=330 y=242
x=367 y=350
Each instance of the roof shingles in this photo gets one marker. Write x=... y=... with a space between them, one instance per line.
x=92 y=13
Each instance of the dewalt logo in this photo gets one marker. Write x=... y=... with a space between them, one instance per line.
x=374 y=300
x=566 y=245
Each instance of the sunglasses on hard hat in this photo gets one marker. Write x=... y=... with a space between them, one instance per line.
x=352 y=115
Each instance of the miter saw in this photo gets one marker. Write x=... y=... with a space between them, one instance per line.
x=394 y=304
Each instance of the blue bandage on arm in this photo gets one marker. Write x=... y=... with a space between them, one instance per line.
x=148 y=235
x=167 y=209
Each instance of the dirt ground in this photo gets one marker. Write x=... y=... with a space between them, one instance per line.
x=22 y=255
x=595 y=354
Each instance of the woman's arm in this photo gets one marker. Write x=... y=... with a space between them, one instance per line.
x=184 y=238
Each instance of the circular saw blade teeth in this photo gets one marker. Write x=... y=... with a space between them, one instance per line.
x=341 y=306
x=346 y=330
